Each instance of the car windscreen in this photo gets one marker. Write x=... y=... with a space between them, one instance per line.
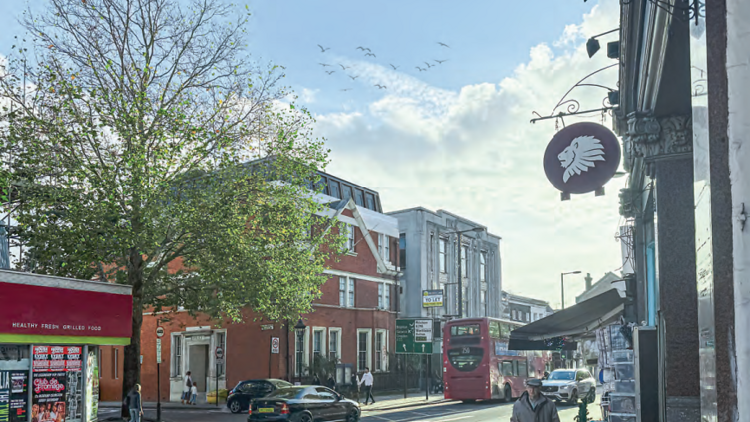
x=286 y=393
x=562 y=376
x=281 y=384
x=466 y=359
x=465 y=330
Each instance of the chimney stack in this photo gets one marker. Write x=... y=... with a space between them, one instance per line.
x=588 y=281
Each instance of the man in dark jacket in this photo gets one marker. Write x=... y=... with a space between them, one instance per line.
x=533 y=406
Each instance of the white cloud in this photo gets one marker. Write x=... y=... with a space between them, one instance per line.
x=308 y=96
x=474 y=153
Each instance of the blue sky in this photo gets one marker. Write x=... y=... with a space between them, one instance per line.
x=457 y=136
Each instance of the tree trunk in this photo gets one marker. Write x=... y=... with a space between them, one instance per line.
x=132 y=359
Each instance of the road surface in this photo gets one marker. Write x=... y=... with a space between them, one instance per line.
x=443 y=412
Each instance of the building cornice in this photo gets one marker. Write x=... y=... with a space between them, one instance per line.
x=656 y=138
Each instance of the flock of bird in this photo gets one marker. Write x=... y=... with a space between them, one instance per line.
x=369 y=53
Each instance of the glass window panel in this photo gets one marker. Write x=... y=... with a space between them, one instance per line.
x=370 y=201
x=334 y=189
x=359 y=198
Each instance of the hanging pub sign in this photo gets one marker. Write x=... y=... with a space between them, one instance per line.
x=582 y=158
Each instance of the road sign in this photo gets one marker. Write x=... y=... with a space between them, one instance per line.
x=158 y=350
x=414 y=336
x=432 y=298
x=219 y=356
x=274 y=345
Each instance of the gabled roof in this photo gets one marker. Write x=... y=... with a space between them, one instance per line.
x=348 y=204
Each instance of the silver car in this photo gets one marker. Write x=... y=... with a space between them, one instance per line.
x=570 y=385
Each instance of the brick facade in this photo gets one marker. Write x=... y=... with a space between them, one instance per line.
x=248 y=344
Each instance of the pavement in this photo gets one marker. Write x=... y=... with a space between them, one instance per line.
x=385 y=410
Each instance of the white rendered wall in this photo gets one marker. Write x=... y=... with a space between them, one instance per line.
x=738 y=75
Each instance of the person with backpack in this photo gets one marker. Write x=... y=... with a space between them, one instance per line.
x=186 y=389
x=135 y=405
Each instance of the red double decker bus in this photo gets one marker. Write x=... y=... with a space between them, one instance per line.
x=477 y=364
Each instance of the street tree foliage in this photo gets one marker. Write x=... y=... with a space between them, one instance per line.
x=149 y=149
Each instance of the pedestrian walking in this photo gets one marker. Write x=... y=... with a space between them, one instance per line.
x=135 y=406
x=186 y=389
x=355 y=387
x=194 y=394
x=316 y=380
x=533 y=406
x=367 y=381
x=331 y=382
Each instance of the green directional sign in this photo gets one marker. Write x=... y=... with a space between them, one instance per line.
x=414 y=336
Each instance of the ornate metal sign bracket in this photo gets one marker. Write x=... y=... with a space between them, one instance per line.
x=571 y=107
x=695 y=10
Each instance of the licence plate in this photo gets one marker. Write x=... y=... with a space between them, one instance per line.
x=265 y=410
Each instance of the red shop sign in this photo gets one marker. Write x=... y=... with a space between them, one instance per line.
x=40 y=310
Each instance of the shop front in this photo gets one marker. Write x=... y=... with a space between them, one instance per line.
x=50 y=332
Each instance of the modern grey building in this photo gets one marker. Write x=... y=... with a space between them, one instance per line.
x=428 y=244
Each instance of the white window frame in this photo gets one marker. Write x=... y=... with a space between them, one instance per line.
x=342 y=291
x=323 y=341
x=483 y=266
x=338 y=331
x=464 y=250
x=349 y=292
x=384 y=357
x=305 y=354
x=381 y=245
x=116 y=362
x=368 y=363
x=350 y=238
x=384 y=296
x=386 y=248
x=177 y=355
x=443 y=255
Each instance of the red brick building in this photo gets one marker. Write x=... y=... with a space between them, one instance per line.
x=353 y=322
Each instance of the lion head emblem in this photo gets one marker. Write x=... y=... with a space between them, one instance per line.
x=580 y=156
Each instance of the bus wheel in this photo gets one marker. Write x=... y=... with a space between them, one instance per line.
x=507 y=394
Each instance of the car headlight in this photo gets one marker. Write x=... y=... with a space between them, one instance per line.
x=565 y=387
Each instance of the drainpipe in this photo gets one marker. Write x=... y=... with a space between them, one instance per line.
x=288 y=374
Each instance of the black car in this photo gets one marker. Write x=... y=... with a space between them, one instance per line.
x=304 y=404
x=238 y=399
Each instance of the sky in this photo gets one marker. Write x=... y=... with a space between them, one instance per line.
x=455 y=136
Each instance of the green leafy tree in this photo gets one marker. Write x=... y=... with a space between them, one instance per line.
x=144 y=138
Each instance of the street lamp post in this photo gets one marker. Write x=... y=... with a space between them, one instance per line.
x=460 y=274
x=299 y=329
x=562 y=286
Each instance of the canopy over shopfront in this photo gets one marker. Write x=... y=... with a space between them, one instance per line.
x=50 y=330
x=556 y=331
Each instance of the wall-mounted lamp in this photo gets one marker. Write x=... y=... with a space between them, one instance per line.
x=592 y=45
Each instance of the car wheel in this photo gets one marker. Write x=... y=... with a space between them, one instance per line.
x=353 y=416
x=573 y=397
x=235 y=407
x=507 y=394
x=304 y=417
